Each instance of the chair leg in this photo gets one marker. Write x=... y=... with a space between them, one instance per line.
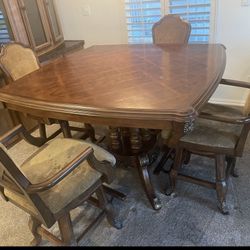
x=112 y=217
x=231 y=162
x=187 y=157
x=91 y=132
x=174 y=171
x=221 y=185
x=34 y=224
x=66 y=230
x=42 y=130
x=65 y=129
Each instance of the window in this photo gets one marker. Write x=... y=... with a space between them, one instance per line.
x=196 y=12
x=5 y=31
x=142 y=14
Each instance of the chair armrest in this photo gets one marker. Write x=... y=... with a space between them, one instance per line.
x=235 y=83
x=58 y=177
x=103 y=167
x=21 y=130
x=226 y=119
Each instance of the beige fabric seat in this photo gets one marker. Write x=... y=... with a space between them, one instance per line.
x=224 y=110
x=214 y=134
x=235 y=112
x=50 y=159
x=59 y=177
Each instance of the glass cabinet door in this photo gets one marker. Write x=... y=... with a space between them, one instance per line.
x=35 y=22
x=6 y=34
x=53 y=20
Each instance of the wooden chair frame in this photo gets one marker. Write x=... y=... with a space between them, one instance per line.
x=65 y=127
x=185 y=29
x=219 y=154
x=13 y=179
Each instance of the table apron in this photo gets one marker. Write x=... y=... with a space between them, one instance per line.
x=115 y=122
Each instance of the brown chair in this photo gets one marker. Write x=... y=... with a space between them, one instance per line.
x=220 y=133
x=171 y=29
x=60 y=176
x=17 y=61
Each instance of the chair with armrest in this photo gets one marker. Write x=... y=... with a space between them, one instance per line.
x=60 y=176
x=17 y=61
x=171 y=29
x=220 y=132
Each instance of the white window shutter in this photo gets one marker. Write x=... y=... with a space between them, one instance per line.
x=196 y=12
x=142 y=14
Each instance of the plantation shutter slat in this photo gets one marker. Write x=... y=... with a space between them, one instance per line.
x=142 y=14
x=197 y=12
x=5 y=34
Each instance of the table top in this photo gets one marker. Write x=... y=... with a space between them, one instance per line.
x=133 y=82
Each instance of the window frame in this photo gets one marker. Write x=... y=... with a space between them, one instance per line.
x=213 y=17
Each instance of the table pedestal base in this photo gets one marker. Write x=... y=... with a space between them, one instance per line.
x=137 y=146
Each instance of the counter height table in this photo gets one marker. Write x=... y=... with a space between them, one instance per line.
x=130 y=88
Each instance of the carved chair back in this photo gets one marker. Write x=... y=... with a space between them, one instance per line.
x=171 y=29
x=16 y=61
x=14 y=180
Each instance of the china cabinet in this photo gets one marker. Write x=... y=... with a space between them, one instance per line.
x=31 y=22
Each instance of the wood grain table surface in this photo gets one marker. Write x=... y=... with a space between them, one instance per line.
x=134 y=86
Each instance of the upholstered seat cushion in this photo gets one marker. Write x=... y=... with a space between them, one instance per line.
x=50 y=159
x=233 y=112
x=213 y=134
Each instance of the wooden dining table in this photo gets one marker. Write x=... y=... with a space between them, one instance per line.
x=130 y=88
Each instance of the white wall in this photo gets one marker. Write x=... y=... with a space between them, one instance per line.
x=233 y=30
x=107 y=25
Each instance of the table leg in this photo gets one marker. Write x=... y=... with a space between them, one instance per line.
x=143 y=163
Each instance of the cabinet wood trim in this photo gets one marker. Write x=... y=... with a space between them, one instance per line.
x=28 y=27
x=56 y=38
x=16 y=21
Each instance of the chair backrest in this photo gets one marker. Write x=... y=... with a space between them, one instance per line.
x=16 y=61
x=14 y=181
x=171 y=29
